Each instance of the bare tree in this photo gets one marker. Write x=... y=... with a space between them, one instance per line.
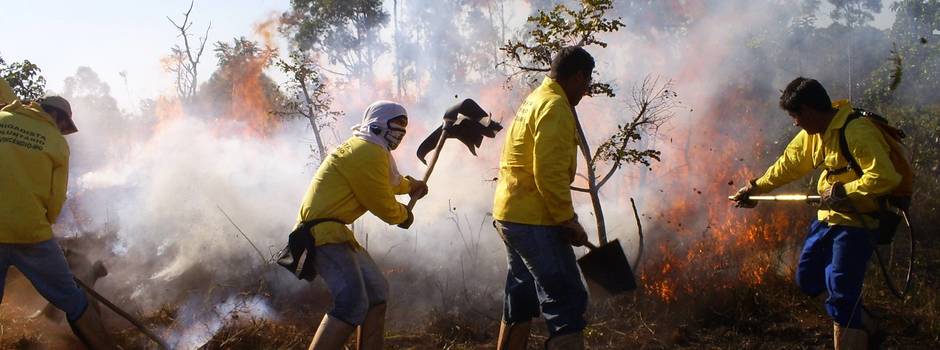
x=185 y=59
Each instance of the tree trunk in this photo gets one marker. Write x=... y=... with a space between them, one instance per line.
x=592 y=181
x=321 y=151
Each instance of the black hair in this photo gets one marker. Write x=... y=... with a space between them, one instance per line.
x=804 y=91
x=569 y=61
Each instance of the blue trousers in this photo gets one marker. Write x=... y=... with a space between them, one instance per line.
x=834 y=260
x=543 y=277
x=44 y=265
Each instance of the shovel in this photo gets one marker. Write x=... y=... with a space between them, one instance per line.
x=608 y=267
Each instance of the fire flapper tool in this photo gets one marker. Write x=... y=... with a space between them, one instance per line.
x=465 y=121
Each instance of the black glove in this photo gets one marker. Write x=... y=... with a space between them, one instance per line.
x=741 y=197
x=407 y=223
x=835 y=198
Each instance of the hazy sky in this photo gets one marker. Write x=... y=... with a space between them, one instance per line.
x=112 y=36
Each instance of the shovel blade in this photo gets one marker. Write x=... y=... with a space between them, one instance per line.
x=607 y=266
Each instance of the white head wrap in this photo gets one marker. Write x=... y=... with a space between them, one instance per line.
x=374 y=128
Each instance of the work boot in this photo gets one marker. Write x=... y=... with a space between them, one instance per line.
x=371 y=333
x=331 y=335
x=570 y=341
x=513 y=337
x=849 y=338
x=90 y=331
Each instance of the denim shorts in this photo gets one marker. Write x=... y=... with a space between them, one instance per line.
x=354 y=280
x=44 y=265
x=543 y=278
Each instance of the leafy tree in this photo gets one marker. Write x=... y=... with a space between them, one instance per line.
x=855 y=13
x=904 y=89
x=346 y=30
x=651 y=102
x=309 y=96
x=558 y=28
x=25 y=79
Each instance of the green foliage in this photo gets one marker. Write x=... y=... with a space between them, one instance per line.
x=653 y=104
x=25 y=79
x=855 y=13
x=916 y=54
x=560 y=27
x=345 y=30
x=307 y=86
x=308 y=96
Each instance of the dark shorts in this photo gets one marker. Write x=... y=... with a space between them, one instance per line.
x=543 y=278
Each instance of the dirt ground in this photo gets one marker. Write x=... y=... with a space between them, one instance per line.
x=773 y=315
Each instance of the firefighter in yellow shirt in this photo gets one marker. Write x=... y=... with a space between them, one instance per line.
x=35 y=159
x=837 y=249
x=534 y=213
x=359 y=176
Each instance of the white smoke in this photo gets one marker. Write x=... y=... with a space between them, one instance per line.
x=157 y=182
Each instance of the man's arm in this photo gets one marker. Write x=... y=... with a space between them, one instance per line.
x=60 y=183
x=554 y=143
x=404 y=185
x=871 y=152
x=795 y=162
x=368 y=176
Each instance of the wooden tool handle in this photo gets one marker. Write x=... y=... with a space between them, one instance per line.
x=133 y=320
x=427 y=173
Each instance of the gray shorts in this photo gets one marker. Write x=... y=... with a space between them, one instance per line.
x=354 y=281
x=44 y=265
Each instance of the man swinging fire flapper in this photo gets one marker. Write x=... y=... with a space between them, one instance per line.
x=33 y=184
x=358 y=176
x=534 y=213
x=839 y=244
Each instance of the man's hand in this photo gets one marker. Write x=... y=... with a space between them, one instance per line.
x=835 y=198
x=407 y=223
x=741 y=197
x=574 y=232
x=419 y=188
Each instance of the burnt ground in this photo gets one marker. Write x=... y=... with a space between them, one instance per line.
x=772 y=315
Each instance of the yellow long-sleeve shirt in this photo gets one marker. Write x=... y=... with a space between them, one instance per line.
x=807 y=152
x=34 y=170
x=538 y=162
x=355 y=178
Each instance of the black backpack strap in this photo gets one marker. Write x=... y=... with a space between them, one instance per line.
x=844 y=146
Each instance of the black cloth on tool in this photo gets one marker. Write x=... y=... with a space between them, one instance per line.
x=465 y=121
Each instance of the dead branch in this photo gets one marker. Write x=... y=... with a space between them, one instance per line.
x=260 y=255
x=186 y=60
x=639 y=233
